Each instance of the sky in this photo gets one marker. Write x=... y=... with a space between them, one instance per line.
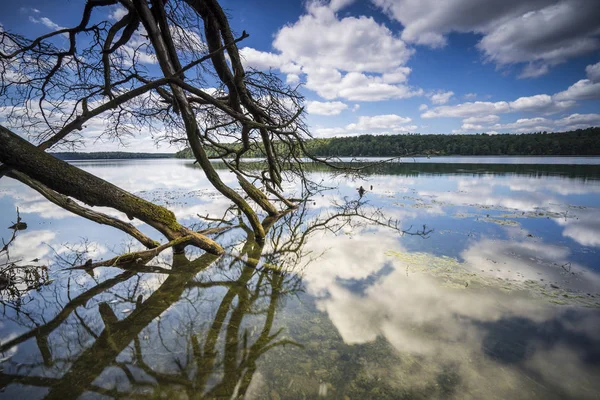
x=398 y=66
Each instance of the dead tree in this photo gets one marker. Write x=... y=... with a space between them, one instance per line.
x=105 y=75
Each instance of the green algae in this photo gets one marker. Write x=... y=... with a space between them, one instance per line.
x=503 y=222
x=456 y=275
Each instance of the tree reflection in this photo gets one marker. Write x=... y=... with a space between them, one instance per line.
x=225 y=318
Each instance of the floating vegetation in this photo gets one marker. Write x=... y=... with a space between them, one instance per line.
x=456 y=275
x=503 y=222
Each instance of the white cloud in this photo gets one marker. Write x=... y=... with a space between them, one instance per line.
x=531 y=103
x=478 y=123
x=348 y=44
x=471 y=127
x=469 y=109
x=260 y=59
x=329 y=132
x=46 y=22
x=580 y=119
x=584 y=89
x=524 y=123
x=187 y=39
x=536 y=124
x=354 y=86
x=32 y=244
x=29 y=10
x=481 y=109
x=325 y=108
x=387 y=124
x=546 y=36
x=354 y=58
x=423 y=107
x=388 y=121
x=292 y=79
x=118 y=13
x=534 y=70
x=540 y=33
x=593 y=72
x=488 y=119
x=441 y=97
x=584 y=228
x=539 y=103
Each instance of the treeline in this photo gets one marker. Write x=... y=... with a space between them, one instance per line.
x=108 y=155
x=578 y=142
x=408 y=167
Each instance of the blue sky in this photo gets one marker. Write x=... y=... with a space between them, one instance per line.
x=396 y=66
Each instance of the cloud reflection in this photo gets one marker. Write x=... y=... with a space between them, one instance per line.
x=444 y=321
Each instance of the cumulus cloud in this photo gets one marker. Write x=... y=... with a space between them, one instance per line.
x=584 y=89
x=329 y=132
x=483 y=109
x=538 y=33
x=441 y=97
x=377 y=125
x=580 y=119
x=260 y=59
x=354 y=44
x=325 y=108
x=354 y=58
x=489 y=119
x=477 y=123
x=531 y=102
x=540 y=103
x=583 y=229
x=469 y=109
x=536 y=124
x=534 y=70
x=388 y=121
x=354 y=86
x=482 y=115
x=593 y=72
x=527 y=125
x=117 y=13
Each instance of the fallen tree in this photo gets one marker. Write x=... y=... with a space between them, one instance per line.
x=71 y=181
x=50 y=92
x=170 y=68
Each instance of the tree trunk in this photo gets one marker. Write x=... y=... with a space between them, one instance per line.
x=168 y=62
x=71 y=181
x=69 y=205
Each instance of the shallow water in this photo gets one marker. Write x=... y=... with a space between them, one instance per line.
x=456 y=280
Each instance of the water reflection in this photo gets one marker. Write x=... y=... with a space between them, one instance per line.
x=147 y=352
x=445 y=320
x=501 y=301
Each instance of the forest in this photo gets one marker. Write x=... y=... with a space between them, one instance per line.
x=107 y=155
x=577 y=142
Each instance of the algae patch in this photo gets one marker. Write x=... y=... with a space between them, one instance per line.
x=503 y=222
x=456 y=275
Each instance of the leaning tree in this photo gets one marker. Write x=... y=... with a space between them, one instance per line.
x=168 y=67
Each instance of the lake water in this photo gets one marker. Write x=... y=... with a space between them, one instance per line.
x=466 y=278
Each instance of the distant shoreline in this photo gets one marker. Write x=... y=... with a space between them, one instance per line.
x=578 y=143
x=109 y=155
x=65 y=156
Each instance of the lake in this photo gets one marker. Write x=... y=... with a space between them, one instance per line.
x=450 y=278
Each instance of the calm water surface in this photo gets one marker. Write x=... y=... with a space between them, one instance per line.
x=492 y=292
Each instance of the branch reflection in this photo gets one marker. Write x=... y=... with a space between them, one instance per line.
x=198 y=327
